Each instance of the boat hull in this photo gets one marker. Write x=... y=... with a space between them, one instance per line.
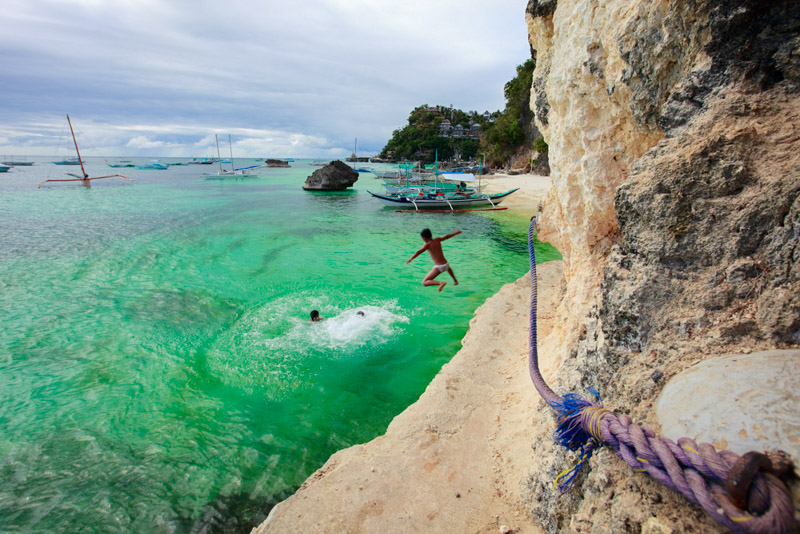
x=448 y=203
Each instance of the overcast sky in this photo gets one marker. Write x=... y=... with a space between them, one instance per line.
x=301 y=78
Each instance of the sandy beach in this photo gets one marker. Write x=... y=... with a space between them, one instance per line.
x=532 y=190
x=455 y=460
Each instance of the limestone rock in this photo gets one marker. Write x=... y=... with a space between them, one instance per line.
x=335 y=176
x=743 y=402
x=672 y=134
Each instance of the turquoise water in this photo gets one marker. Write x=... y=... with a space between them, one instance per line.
x=157 y=369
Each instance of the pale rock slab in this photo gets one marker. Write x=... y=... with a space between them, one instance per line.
x=739 y=402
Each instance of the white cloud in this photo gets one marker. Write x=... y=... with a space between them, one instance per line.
x=325 y=71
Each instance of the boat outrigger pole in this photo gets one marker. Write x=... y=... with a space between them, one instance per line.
x=83 y=171
x=85 y=180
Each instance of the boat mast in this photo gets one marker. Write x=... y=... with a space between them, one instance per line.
x=230 y=144
x=480 y=171
x=219 y=157
x=436 y=172
x=76 y=147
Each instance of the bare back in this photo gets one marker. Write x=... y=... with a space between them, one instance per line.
x=435 y=250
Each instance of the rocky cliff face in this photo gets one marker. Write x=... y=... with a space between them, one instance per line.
x=674 y=134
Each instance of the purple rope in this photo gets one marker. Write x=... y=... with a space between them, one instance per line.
x=696 y=471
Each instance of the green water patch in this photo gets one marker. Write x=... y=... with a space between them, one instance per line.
x=159 y=369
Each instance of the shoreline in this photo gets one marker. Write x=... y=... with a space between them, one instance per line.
x=455 y=460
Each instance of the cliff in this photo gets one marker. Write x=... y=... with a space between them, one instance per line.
x=674 y=133
x=673 y=130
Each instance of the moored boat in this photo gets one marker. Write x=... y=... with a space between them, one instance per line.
x=154 y=165
x=68 y=161
x=451 y=201
x=84 y=178
x=242 y=172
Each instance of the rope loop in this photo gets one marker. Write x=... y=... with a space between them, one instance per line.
x=743 y=494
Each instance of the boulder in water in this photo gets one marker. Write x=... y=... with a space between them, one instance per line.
x=277 y=163
x=335 y=176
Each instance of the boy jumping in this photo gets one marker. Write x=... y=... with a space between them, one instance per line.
x=434 y=247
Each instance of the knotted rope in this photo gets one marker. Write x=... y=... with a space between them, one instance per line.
x=755 y=501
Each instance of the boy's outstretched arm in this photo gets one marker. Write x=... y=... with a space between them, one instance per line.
x=417 y=253
x=448 y=236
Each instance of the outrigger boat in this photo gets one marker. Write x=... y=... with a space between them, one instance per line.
x=451 y=201
x=85 y=179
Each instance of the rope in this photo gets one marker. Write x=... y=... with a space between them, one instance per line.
x=699 y=472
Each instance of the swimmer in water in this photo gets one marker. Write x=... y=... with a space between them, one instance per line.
x=315 y=317
x=434 y=247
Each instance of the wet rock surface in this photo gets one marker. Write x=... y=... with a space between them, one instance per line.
x=335 y=176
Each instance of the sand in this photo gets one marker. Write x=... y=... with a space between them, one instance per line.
x=456 y=459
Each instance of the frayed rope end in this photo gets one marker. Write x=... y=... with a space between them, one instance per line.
x=569 y=430
x=571 y=434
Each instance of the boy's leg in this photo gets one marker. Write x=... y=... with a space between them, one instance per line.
x=449 y=270
x=429 y=279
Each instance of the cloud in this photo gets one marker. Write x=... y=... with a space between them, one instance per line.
x=309 y=75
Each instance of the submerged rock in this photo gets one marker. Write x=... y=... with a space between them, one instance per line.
x=335 y=176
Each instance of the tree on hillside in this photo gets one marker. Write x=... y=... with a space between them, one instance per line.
x=422 y=139
x=502 y=139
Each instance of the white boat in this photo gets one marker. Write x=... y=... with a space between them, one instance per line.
x=243 y=172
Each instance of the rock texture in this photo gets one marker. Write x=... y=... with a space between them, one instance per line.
x=335 y=176
x=674 y=134
x=281 y=163
x=674 y=146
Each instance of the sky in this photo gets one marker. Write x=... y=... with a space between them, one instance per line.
x=298 y=78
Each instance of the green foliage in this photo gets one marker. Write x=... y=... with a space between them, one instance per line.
x=420 y=139
x=539 y=145
x=501 y=135
x=507 y=134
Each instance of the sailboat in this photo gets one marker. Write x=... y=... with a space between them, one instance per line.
x=85 y=179
x=234 y=172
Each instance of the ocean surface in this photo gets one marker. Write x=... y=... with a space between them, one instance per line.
x=158 y=372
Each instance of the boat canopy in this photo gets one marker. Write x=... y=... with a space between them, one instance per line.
x=456 y=176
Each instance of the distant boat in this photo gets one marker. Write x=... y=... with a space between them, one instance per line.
x=4 y=168
x=233 y=172
x=206 y=161
x=154 y=165
x=68 y=161
x=121 y=163
x=16 y=163
x=84 y=179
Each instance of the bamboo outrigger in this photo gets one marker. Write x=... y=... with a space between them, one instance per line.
x=85 y=179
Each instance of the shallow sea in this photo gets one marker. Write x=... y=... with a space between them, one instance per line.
x=157 y=369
